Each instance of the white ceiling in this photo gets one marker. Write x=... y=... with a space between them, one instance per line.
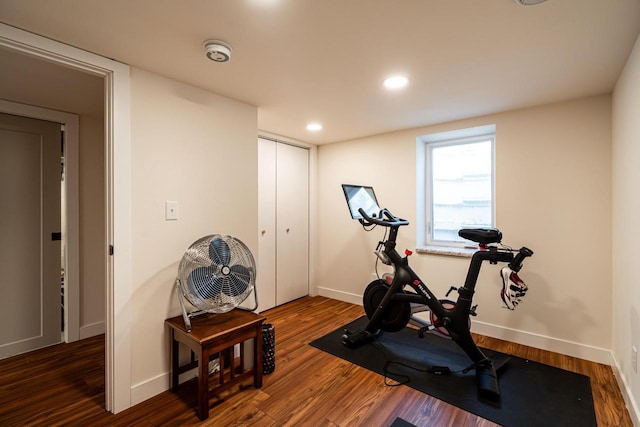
x=324 y=60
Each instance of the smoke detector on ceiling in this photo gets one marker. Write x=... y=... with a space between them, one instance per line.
x=529 y=2
x=217 y=50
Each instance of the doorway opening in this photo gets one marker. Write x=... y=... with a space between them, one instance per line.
x=116 y=134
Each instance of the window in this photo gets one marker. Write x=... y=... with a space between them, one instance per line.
x=455 y=185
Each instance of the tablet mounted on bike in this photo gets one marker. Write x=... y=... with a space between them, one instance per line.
x=361 y=197
x=363 y=206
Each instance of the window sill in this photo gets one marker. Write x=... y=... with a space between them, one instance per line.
x=447 y=251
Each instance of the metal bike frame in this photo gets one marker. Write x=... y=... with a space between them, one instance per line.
x=455 y=320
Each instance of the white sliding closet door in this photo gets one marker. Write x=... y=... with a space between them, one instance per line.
x=292 y=223
x=266 y=262
x=283 y=200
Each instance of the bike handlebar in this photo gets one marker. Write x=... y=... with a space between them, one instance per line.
x=387 y=219
x=523 y=253
x=390 y=221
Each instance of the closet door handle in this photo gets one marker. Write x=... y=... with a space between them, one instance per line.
x=263 y=232
x=287 y=230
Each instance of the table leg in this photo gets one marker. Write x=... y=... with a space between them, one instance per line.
x=257 y=358
x=175 y=359
x=223 y=362
x=231 y=356
x=203 y=384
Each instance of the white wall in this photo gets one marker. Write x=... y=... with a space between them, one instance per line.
x=626 y=225
x=553 y=167
x=199 y=149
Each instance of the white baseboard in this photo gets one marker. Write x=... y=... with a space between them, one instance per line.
x=91 y=330
x=149 y=388
x=159 y=384
x=340 y=295
x=627 y=394
x=569 y=348
x=582 y=351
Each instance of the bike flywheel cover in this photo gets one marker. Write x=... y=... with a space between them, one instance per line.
x=397 y=315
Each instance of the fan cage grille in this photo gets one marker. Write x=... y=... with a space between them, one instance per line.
x=218 y=273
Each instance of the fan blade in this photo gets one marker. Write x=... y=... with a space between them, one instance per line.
x=205 y=284
x=219 y=252
x=240 y=278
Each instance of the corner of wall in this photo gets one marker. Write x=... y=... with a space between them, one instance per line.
x=627 y=394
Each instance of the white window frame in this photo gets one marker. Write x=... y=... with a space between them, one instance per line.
x=424 y=200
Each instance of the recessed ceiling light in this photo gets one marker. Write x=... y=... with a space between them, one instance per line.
x=314 y=127
x=395 y=82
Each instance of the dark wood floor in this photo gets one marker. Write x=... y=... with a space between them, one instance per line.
x=64 y=385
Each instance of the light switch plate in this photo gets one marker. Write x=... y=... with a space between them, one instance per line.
x=171 y=211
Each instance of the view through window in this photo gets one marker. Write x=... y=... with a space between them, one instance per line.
x=458 y=177
x=461 y=187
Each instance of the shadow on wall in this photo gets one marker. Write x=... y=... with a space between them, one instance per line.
x=156 y=295
x=574 y=318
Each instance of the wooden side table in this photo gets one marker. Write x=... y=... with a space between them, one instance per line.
x=214 y=336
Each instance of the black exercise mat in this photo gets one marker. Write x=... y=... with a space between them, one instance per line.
x=532 y=394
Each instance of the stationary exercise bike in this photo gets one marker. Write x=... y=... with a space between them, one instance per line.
x=392 y=303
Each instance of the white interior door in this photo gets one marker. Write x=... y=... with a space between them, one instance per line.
x=292 y=223
x=30 y=174
x=266 y=275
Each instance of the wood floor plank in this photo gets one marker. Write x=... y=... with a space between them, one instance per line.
x=64 y=385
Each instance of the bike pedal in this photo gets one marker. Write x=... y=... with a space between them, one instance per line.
x=472 y=311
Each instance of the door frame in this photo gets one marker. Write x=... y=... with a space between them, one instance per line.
x=71 y=183
x=118 y=196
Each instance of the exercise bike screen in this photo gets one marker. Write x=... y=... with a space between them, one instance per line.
x=359 y=196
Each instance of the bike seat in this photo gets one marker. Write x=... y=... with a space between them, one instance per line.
x=481 y=235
